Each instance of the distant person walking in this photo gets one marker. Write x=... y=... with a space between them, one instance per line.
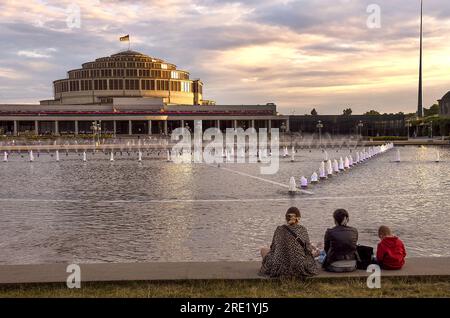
x=290 y=254
x=340 y=244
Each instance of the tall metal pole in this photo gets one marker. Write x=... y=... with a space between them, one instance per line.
x=420 y=105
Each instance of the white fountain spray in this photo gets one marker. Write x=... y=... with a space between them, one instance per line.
x=84 y=156
x=329 y=168
x=346 y=163
x=292 y=185
x=341 y=164
x=31 y=156
x=438 y=156
x=397 y=156
x=140 y=156
x=111 y=158
x=5 y=156
x=335 y=166
x=322 y=172
x=303 y=182
x=314 y=177
x=57 y=155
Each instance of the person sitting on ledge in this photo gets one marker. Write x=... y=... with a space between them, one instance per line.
x=340 y=244
x=290 y=254
x=390 y=251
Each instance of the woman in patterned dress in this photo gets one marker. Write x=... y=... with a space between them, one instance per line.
x=290 y=254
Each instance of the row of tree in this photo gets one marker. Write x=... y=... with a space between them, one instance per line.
x=433 y=110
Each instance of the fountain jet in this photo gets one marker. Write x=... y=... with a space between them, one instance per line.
x=314 y=178
x=303 y=182
x=292 y=185
x=397 y=156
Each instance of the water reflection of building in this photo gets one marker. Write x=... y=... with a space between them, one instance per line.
x=131 y=93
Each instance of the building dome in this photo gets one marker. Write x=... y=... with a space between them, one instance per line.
x=446 y=96
x=444 y=105
x=127 y=74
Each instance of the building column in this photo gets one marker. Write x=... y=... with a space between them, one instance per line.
x=287 y=126
x=114 y=128
x=130 y=128
x=269 y=124
x=235 y=124
x=56 y=128
x=165 y=127
x=253 y=123
x=76 y=127
x=149 y=127
x=15 y=128
x=182 y=123
x=36 y=127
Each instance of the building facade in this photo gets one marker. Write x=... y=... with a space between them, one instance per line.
x=365 y=125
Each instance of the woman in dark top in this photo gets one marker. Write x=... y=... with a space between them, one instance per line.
x=290 y=253
x=340 y=241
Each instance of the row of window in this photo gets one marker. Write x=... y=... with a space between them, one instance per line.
x=163 y=66
x=128 y=84
x=127 y=73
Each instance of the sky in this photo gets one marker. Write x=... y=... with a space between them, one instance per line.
x=299 y=54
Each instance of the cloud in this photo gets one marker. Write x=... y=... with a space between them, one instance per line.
x=37 y=54
x=297 y=53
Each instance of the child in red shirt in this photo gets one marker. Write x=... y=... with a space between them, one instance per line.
x=390 y=251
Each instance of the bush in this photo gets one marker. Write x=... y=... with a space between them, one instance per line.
x=388 y=138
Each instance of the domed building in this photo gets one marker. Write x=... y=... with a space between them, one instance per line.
x=444 y=105
x=127 y=74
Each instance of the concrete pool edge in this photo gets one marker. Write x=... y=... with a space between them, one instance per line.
x=173 y=271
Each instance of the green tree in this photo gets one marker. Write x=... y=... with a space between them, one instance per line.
x=347 y=112
x=314 y=112
x=433 y=110
x=372 y=113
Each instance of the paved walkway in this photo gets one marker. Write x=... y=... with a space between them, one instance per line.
x=48 y=273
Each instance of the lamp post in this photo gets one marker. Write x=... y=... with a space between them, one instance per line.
x=408 y=126
x=431 y=129
x=360 y=127
x=96 y=130
x=320 y=126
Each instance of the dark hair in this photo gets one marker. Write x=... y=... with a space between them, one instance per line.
x=292 y=210
x=341 y=216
